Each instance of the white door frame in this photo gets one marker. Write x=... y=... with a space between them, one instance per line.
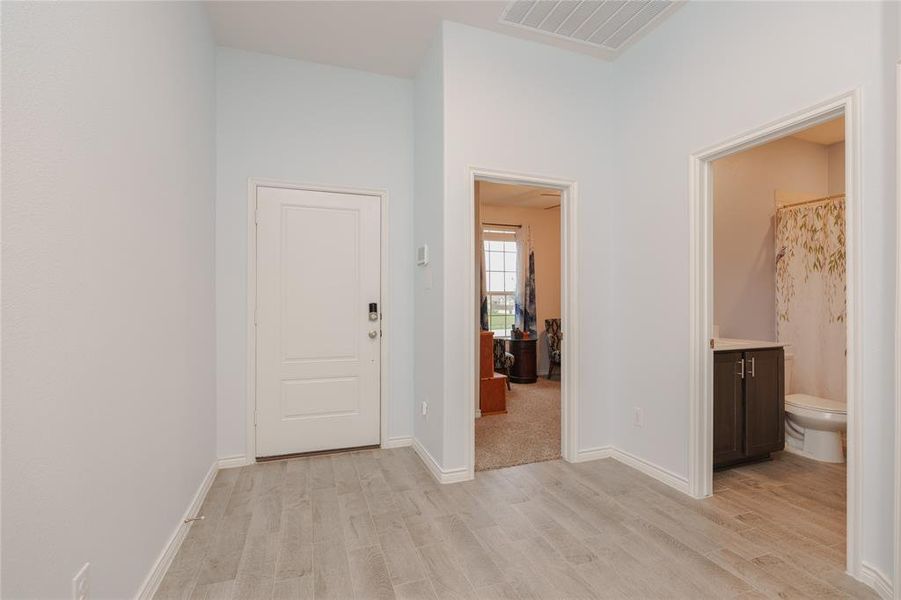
x=569 y=371
x=897 y=529
x=251 y=392
x=700 y=471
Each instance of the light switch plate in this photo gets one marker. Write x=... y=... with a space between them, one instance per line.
x=422 y=255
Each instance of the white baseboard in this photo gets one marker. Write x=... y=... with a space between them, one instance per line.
x=877 y=580
x=153 y=579
x=593 y=454
x=676 y=482
x=440 y=475
x=229 y=462
x=398 y=442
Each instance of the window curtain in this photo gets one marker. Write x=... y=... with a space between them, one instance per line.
x=526 y=313
x=483 y=293
x=810 y=295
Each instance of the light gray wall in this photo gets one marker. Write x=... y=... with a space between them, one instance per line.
x=428 y=228
x=301 y=122
x=526 y=108
x=108 y=330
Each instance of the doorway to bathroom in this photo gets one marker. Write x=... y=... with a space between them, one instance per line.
x=774 y=322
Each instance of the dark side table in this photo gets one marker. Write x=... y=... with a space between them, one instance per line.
x=525 y=365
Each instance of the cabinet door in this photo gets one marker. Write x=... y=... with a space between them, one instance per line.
x=765 y=401
x=728 y=408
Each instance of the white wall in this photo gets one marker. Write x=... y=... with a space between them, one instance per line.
x=545 y=229
x=428 y=228
x=707 y=74
x=108 y=329
x=744 y=256
x=525 y=108
x=302 y=122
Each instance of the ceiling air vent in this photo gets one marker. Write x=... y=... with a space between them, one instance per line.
x=610 y=25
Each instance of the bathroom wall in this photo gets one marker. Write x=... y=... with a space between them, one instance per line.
x=836 y=153
x=545 y=227
x=744 y=266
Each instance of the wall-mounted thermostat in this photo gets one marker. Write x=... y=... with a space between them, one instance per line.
x=422 y=255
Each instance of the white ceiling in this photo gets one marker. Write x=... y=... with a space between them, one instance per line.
x=521 y=196
x=828 y=133
x=391 y=37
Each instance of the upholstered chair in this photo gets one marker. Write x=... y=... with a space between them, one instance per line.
x=503 y=360
x=554 y=338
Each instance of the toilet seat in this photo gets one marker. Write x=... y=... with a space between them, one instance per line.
x=806 y=402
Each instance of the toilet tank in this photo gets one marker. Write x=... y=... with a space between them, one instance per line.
x=789 y=363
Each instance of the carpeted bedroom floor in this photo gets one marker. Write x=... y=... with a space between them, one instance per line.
x=529 y=432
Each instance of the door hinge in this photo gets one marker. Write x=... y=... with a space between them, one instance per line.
x=256 y=216
x=254 y=418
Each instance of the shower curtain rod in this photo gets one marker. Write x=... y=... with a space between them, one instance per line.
x=502 y=225
x=814 y=201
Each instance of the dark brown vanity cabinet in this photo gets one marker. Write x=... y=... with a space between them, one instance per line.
x=748 y=404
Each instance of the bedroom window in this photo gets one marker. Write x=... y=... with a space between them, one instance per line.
x=500 y=269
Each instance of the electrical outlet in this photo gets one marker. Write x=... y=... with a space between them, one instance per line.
x=638 y=418
x=425 y=408
x=81 y=583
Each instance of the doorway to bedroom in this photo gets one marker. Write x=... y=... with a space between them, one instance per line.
x=518 y=250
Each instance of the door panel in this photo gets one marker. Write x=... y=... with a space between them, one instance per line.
x=728 y=409
x=318 y=261
x=765 y=401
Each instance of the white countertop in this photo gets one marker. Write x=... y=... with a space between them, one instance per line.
x=733 y=344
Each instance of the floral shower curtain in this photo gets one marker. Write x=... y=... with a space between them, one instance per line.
x=810 y=295
x=526 y=313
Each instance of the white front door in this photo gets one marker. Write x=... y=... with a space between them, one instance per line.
x=318 y=262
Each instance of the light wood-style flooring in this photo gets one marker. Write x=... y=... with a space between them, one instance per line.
x=374 y=524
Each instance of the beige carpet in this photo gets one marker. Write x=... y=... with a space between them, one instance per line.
x=529 y=432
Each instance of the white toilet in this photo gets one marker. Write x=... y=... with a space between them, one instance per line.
x=813 y=425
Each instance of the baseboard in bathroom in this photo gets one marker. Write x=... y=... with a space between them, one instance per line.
x=874 y=578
